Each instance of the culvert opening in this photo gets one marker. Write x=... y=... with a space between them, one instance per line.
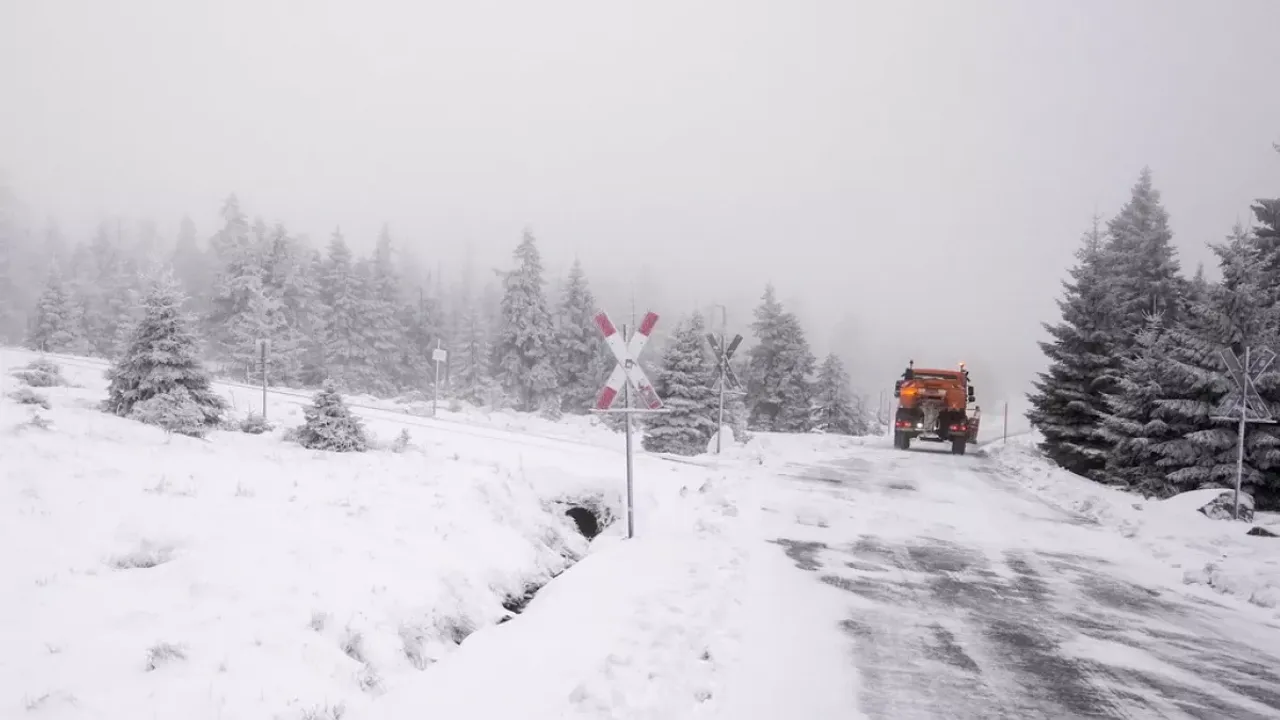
x=587 y=522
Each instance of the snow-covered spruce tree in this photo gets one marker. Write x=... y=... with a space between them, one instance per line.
x=10 y=315
x=470 y=378
x=796 y=366
x=192 y=267
x=105 y=292
x=578 y=344
x=421 y=323
x=343 y=290
x=290 y=291
x=1135 y=424
x=684 y=384
x=330 y=425
x=764 y=387
x=393 y=363
x=160 y=378
x=1069 y=398
x=1238 y=314
x=1142 y=265
x=237 y=287
x=525 y=336
x=58 y=325
x=836 y=410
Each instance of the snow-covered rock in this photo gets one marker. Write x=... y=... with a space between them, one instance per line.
x=1222 y=507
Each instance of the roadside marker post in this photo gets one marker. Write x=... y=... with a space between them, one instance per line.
x=1244 y=404
x=264 y=344
x=626 y=377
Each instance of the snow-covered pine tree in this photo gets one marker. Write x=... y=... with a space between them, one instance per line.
x=577 y=344
x=837 y=411
x=1238 y=314
x=796 y=366
x=192 y=268
x=394 y=364
x=525 y=339
x=684 y=384
x=1069 y=398
x=290 y=291
x=330 y=425
x=345 y=289
x=1135 y=424
x=58 y=325
x=765 y=396
x=1142 y=265
x=470 y=379
x=161 y=377
x=104 y=294
x=420 y=321
x=11 y=316
x=237 y=287
x=314 y=370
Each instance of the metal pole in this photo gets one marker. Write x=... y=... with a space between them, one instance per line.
x=264 y=381
x=435 y=399
x=1006 y=422
x=721 y=361
x=1240 y=446
x=626 y=399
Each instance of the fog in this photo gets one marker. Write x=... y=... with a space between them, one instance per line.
x=912 y=176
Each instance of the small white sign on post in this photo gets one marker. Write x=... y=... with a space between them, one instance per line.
x=439 y=355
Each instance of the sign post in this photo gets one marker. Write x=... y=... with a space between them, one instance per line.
x=1006 y=422
x=628 y=376
x=726 y=380
x=1244 y=404
x=438 y=356
x=264 y=344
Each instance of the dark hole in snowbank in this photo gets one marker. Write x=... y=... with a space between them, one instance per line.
x=591 y=516
x=588 y=523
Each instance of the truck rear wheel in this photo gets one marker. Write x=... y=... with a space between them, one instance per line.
x=957 y=446
x=903 y=441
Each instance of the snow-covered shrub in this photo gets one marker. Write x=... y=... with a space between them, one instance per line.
x=330 y=425
x=254 y=424
x=36 y=421
x=162 y=360
x=27 y=396
x=163 y=653
x=175 y=411
x=402 y=441
x=41 y=372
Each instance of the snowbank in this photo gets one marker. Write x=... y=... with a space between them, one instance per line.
x=246 y=577
x=1214 y=553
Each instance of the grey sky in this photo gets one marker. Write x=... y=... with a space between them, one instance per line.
x=913 y=176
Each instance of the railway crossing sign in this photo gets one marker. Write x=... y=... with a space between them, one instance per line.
x=1243 y=404
x=723 y=355
x=628 y=376
x=1244 y=400
x=628 y=370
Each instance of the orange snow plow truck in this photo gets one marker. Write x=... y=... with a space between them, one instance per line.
x=933 y=405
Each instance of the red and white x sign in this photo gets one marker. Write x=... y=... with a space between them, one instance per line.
x=628 y=370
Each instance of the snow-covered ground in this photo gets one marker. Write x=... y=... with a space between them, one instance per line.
x=245 y=577
x=1216 y=554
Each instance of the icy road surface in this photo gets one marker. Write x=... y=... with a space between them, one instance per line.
x=956 y=595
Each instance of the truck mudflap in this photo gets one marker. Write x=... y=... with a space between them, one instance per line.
x=973 y=425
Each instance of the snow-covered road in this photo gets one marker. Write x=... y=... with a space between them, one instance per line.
x=924 y=585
